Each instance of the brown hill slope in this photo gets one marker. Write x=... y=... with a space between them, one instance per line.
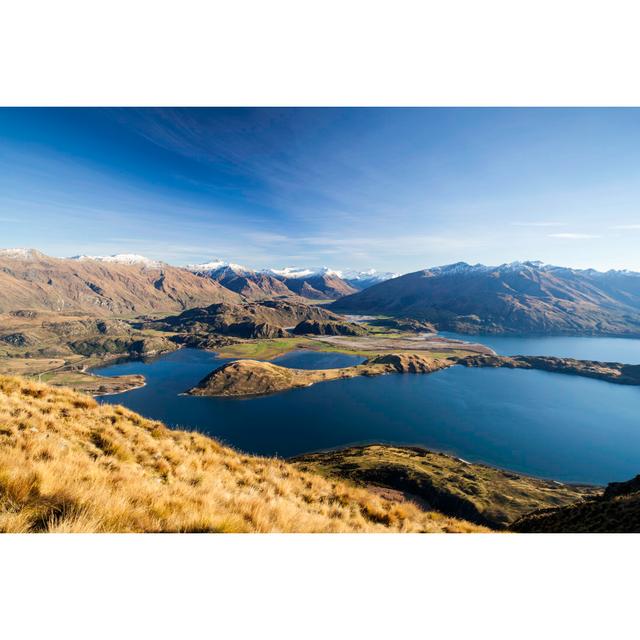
x=517 y=298
x=320 y=286
x=475 y=492
x=68 y=464
x=617 y=510
x=253 y=285
x=36 y=281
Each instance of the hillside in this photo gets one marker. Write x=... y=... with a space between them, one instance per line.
x=514 y=298
x=316 y=284
x=475 y=492
x=263 y=319
x=616 y=510
x=59 y=348
x=69 y=464
x=31 y=280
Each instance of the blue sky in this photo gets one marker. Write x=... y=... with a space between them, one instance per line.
x=394 y=189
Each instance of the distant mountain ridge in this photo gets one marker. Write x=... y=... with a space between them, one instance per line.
x=518 y=297
x=30 y=280
x=320 y=283
x=121 y=258
x=253 y=285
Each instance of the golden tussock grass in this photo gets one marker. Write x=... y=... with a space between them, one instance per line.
x=69 y=464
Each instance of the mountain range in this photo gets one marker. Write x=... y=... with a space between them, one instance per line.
x=516 y=298
x=31 y=280
x=519 y=297
x=315 y=283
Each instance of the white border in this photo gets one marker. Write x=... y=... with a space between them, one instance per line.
x=345 y=52
x=323 y=586
x=285 y=52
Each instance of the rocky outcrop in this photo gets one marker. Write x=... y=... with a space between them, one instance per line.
x=266 y=319
x=404 y=324
x=18 y=339
x=328 y=328
x=609 y=371
x=256 y=330
x=134 y=346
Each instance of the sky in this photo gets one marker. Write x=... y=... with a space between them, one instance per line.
x=388 y=188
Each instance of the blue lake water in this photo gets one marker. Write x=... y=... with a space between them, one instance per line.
x=550 y=425
x=625 y=350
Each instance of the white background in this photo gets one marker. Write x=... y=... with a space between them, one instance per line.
x=275 y=52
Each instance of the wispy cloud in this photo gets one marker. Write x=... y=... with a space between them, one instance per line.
x=538 y=224
x=626 y=227
x=573 y=236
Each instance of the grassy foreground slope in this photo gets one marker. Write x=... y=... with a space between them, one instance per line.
x=69 y=464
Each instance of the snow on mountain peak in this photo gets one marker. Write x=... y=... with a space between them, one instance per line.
x=216 y=266
x=349 y=275
x=121 y=258
x=369 y=275
x=19 y=253
x=293 y=272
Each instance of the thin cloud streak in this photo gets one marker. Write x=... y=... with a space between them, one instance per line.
x=573 y=236
x=538 y=224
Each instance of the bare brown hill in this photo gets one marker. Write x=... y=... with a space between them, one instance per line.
x=319 y=286
x=253 y=285
x=32 y=280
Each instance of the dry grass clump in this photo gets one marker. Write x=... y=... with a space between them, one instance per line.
x=69 y=464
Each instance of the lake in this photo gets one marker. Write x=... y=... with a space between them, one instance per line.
x=544 y=424
x=625 y=350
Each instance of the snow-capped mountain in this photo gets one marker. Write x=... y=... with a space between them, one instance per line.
x=364 y=279
x=516 y=297
x=216 y=266
x=355 y=279
x=252 y=284
x=310 y=282
x=302 y=272
x=121 y=258
x=20 y=254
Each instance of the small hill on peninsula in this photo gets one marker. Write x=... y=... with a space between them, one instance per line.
x=243 y=378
